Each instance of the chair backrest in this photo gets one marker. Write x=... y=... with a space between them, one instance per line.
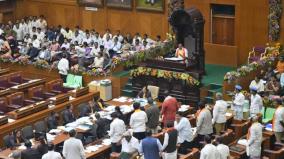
x=16 y=77
x=3 y=105
x=54 y=85
x=40 y=127
x=4 y=81
x=269 y=113
x=36 y=91
x=16 y=99
x=70 y=79
x=154 y=91
x=6 y=140
x=79 y=81
x=27 y=132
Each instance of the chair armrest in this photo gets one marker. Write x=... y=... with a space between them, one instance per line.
x=26 y=79
x=37 y=98
x=14 y=83
x=28 y=102
x=13 y=107
x=48 y=94
x=55 y=91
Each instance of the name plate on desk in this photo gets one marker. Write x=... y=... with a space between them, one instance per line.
x=39 y=106
x=22 y=112
x=59 y=99
x=79 y=92
x=3 y=120
x=4 y=92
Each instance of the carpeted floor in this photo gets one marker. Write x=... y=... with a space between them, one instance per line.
x=215 y=74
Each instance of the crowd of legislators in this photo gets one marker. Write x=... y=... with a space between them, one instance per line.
x=32 y=38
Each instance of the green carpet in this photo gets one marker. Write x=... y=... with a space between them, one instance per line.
x=215 y=74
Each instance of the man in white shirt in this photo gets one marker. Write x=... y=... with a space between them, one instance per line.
x=117 y=128
x=258 y=84
x=182 y=53
x=36 y=42
x=87 y=39
x=238 y=102
x=254 y=139
x=63 y=67
x=73 y=148
x=209 y=151
x=130 y=145
x=40 y=34
x=185 y=134
x=107 y=34
x=219 y=114
x=108 y=43
x=51 y=154
x=223 y=150
x=138 y=121
x=256 y=103
x=97 y=39
x=18 y=31
x=77 y=38
x=278 y=122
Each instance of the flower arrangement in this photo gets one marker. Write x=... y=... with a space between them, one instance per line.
x=5 y=59
x=42 y=64
x=274 y=17
x=145 y=71
x=23 y=60
x=268 y=59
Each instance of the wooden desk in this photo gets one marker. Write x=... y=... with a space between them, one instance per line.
x=5 y=92
x=25 y=86
x=4 y=71
x=28 y=120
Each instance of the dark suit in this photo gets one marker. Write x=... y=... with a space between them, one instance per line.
x=101 y=127
x=33 y=52
x=30 y=153
x=42 y=149
x=68 y=117
x=85 y=111
x=52 y=122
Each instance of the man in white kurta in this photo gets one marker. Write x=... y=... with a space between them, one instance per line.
x=256 y=102
x=238 y=103
x=254 y=138
x=117 y=128
x=278 y=123
x=73 y=148
x=209 y=151
x=219 y=114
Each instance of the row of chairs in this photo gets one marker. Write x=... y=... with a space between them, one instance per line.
x=13 y=101
x=12 y=79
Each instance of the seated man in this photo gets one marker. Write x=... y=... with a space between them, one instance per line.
x=98 y=62
x=181 y=52
x=130 y=146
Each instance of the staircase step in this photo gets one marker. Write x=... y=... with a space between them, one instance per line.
x=214 y=86
x=128 y=86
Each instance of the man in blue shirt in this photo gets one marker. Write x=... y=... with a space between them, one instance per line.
x=150 y=147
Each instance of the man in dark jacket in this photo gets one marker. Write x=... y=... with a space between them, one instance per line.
x=153 y=114
x=68 y=115
x=30 y=153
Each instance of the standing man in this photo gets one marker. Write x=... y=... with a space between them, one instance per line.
x=239 y=102
x=222 y=149
x=153 y=114
x=73 y=148
x=169 y=109
x=150 y=147
x=278 y=122
x=209 y=151
x=256 y=103
x=203 y=122
x=117 y=128
x=170 y=142
x=130 y=146
x=138 y=121
x=254 y=138
x=219 y=114
x=63 y=67
x=185 y=134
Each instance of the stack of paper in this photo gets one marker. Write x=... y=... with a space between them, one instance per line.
x=83 y=127
x=50 y=137
x=10 y=120
x=243 y=142
x=22 y=147
x=120 y=99
x=106 y=142
x=92 y=148
x=55 y=131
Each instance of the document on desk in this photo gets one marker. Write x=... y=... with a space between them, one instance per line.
x=120 y=99
x=106 y=142
x=173 y=59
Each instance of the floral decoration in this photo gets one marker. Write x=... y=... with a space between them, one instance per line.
x=42 y=64
x=274 y=17
x=269 y=58
x=145 y=71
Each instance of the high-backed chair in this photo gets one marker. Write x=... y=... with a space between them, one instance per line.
x=56 y=86
x=6 y=140
x=154 y=91
x=277 y=152
x=3 y=105
x=16 y=100
x=28 y=132
x=40 y=127
x=38 y=93
x=4 y=82
x=16 y=78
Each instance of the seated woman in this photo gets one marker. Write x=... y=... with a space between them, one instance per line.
x=5 y=48
x=144 y=93
x=98 y=61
